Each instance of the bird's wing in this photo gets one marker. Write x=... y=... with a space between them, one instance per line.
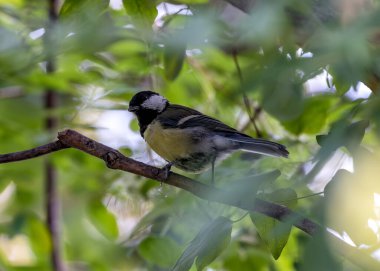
x=181 y=117
x=175 y=115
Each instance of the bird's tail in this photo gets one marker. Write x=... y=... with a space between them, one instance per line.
x=261 y=146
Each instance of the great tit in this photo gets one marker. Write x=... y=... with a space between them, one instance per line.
x=188 y=139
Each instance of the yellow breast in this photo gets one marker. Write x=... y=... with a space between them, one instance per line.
x=170 y=144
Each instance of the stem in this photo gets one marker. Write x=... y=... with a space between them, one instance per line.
x=247 y=104
x=303 y=197
x=51 y=101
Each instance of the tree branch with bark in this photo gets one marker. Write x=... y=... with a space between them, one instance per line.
x=116 y=160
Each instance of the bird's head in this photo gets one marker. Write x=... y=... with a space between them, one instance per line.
x=145 y=101
x=147 y=105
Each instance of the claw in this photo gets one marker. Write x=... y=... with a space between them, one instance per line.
x=167 y=168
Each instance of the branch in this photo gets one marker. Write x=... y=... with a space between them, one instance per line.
x=32 y=153
x=50 y=99
x=116 y=160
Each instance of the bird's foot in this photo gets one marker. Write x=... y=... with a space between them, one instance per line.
x=166 y=169
x=213 y=172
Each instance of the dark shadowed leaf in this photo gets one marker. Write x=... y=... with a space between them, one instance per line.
x=161 y=251
x=318 y=255
x=275 y=233
x=211 y=240
x=246 y=188
x=342 y=134
x=174 y=55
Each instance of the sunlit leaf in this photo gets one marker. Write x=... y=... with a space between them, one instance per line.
x=141 y=10
x=313 y=118
x=70 y=7
x=102 y=219
x=39 y=236
x=350 y=201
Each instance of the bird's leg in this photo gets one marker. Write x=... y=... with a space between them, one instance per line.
x=213 y=170
x=167 y=168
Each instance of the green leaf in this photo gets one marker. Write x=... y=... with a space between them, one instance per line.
x=174 y=55
x=337 y=181
x=341 y=86
x=15 y=54
x=161 y=251
x=102 y=219
x=318 y=255
x=313 y=119
x=246 y=188
x=141 y=10
x=342 y=134
x=284 y=196
x=276 y=100
x=160 y=209
x=211 y=240
x=38 y=236
x=274 y=233
x=192 y=2
x=344 y=191
x=71 y=7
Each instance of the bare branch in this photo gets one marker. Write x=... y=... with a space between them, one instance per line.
x=32 y=153
x=115 y=160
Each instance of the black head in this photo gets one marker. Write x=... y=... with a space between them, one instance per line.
x=146 y=105
x=147 y=100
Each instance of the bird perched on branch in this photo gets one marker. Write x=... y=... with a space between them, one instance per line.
x=188 y=139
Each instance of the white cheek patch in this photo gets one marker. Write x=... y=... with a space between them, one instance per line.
x=155 y=102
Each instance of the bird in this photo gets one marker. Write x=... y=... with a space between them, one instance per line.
x=190 y=140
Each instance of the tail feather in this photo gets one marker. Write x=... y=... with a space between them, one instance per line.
x=261 y=146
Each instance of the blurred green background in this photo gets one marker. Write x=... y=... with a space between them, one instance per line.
x=302 y=73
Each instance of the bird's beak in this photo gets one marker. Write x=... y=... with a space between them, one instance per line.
x=133 y=108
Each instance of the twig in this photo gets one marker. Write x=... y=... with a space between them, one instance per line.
x=115 y=160
x=302 y=197
x=247 y=104
x=32 y=153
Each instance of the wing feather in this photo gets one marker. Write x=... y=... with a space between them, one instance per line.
x=181 y=117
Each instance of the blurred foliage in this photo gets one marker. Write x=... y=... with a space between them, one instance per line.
x=207 y=55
